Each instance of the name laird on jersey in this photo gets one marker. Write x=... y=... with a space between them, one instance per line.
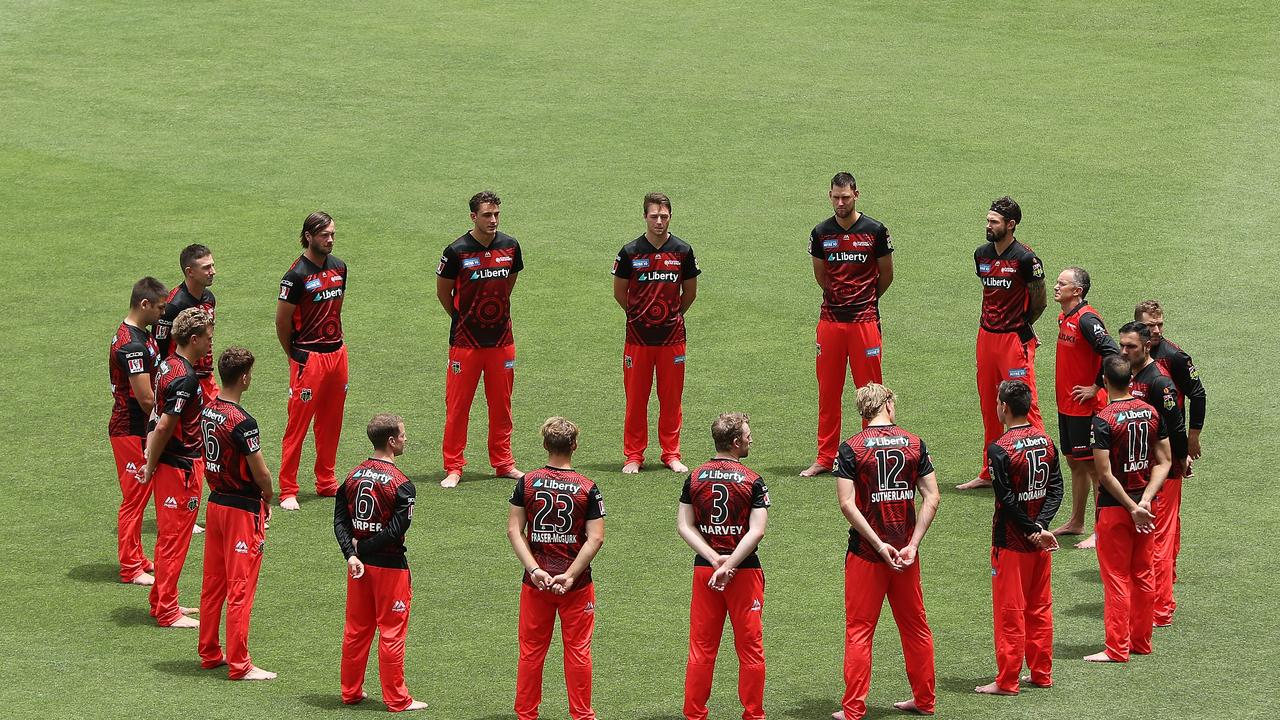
x=893 y=495
x=721 y=529
x=997 y=282
x=554 y=537
x=721 y=475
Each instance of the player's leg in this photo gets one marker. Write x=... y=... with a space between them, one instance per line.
x=906 y=600
x=865 y=586
x=670 y=371
x=178 y=499
x=462 y=375
x=130 y=460
x=1037 y=588
x=301 y=409
x=331 y=402
x=1075 y=449
x=637 y=382
x=831 y=362
x=357 y=635
x=706 y=625
x=393 y=597
x=1115 y=551
x=744 y=598
x=990 y=372
x=865 y=353
x=1026 y=369
x=1009 y=612
x=243 y=567
x=537 y=621
x=499 y=380
x=577 y=624
x=213 y=588
x=1170 y=502
x=1143 y=590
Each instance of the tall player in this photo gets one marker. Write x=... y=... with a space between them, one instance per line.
x=1132 y=455
x=173 y=445
x=371 y=514
x=1028 y=488
x=655 y=280
x=309 y=327
x=197 y=277
x=1082 y=344
x=239 y=509
x=474 y=281
x=1013 y=298
x=131 y=364
x=724 y=509
x=1158 y=390
x=556 y=527
x=879 y=472
x=853 y=264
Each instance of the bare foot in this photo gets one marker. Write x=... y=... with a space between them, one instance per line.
x=837 y=715
x=910 y=706
x=197 y=530
x=992 y=689
x=512 y=474
x=143 y=579
x=1070 y=529
x=678 y=467
x=631 y=468
x=1099 y=657
x=416 y=705
x=1088 y=543
x=183 y=622
x=1162 y=623
x=451 y=480
x=1026 y=680
x=189 y=611
x=974 y=484
x=257 y=673
x=813 y=471
x=289 y=503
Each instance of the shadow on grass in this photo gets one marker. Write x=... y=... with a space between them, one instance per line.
x=95 y=573
x=431 y=481
x=1089 y=575
x=132 y=615
x=1076 y=651
x=190 y=669
x=332 y=701
x=1085 y=610
x=964 y=685
x=656 y=716
x=820 y=708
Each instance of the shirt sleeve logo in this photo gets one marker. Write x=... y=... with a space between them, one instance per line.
x=471 y=262
x=135 y=366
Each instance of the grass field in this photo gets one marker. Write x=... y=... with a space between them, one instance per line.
x=1140 y=139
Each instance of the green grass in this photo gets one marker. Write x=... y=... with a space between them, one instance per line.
x=1140 y=140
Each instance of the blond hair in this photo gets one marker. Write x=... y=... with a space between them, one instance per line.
x=190 y=323
x=559 y=435
x=872 y=398
x=382 y=428
x=727 y=428
x=1148 y=307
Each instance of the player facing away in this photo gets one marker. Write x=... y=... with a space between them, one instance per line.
x=474 y=281
x=1013 y=298
x=1082 y=344
x=853 y=264
x=879 y=472
x=724 y=509
x=1132 y=458
x=556 y=527
x=655 y=280
x=1159 y=391
x=371 y=514
x=131 y=364
x=236 y=518
x=309 y=327
x=1027 y=482
x=173 y=446
x=197 y=277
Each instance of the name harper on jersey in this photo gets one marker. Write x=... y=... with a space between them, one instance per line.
x=658 y=276
x=847 y=257
x=721 y=529
x=997 y=282
x=713 y=474
x=366 y=525
x=554 y=537
x=893 y=495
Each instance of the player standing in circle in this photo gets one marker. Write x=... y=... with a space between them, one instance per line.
x=371 y=514
x=655 y=280
x=556 y=527
x=474 y=281
x=1132 y=455
x=853 y=264
x=878 y=473
x=236 y=517
x=1013 y=298
x=724 y=509
x=132 y=362
x=309 y=327
x=197 y=277
x=1082 y=344
x=1028 y=487
x=173 y=446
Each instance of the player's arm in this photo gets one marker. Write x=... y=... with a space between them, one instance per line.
x=1038 y=300
x=163 y=329
x=262 y=478
x=142 y=392
x=1187 y=380
x=885 y=277
x=756 y=524
x=1052 y=495
x=1007 y=499
x=517 y=519
x=444 y=293
x=1159 y=471
x=595 y=539
x=1166 y=394
x=820 y=272
x=1095 y=333
x=345 y=533
x=927 y=488
x=847 y=495
x=620 y=291
x=157 y=440
x=284 y=325
x=686 y=526
x=401 y=518
x=688 y=293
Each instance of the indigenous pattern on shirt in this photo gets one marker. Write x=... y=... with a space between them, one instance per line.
x=654 y=277
x=558 y=504
x=180 y=298
x=230 y=437
x=1129 y=430
x=133 y=352
x=884 y=462
x=1082 y=343
x=178 y=393
x=317 y=293
x=483 y=278
x=1005 y=277
x=852 y=265
x=1027 y=482
x=723 y=493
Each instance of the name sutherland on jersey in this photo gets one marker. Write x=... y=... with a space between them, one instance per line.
x=893 y=495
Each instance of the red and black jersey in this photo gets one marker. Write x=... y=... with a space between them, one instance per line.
x=230 y=437
x=884 y=462
x=317 y=293
x=1176 y=363
x=483 y=277
x=178 y=393
x=1082 y=343
x=558 y=503
x=654 y=277
x=853 y=268
x=1158 y=391
x=133 y=352
x=372 y=512
x=1027 y=482
x=1129 y=430
x=180 y=298
x=1005 y=277
x=723 y=493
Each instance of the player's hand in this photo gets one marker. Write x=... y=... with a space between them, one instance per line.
x=1193 y=448
x=562 y=583
x=540 y=578
x=144 y=477
x=906 y=556
x=718 y=561
x=721 y=577
x=266 y=522
x=890 y=555
x=1084 y=393
x=1045 y=540
x=355 y=567
x=1143 y=519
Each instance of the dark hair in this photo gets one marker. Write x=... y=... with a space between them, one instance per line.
x=482 y=197
x=1142 y=329
x=148 y=288
x=656 y=198
x=1017 y=395
x=1117 y=371
x=1080 y=278
x=192 y=253
x=233 y=363
x=844 y=179
x=727 y=428
x=382 y=428
x=1008 y=208
x=1148 y=307
x=314 y=223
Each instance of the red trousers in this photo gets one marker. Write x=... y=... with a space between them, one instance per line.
x=128 y=452
x=466 y=365
x=1022 y=600
x=1128 y=582
x=1168 y=543
x=866 y=585
x=840 y=345
x=177 y=500
x=538 y=610
x=1003 y=356
x=317 y=390
x=233 y=543
x=743 y=601
x=378 y=601
x=640 y=363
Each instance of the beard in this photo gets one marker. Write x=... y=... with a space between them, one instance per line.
x=993 y=236
x=846 y=212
